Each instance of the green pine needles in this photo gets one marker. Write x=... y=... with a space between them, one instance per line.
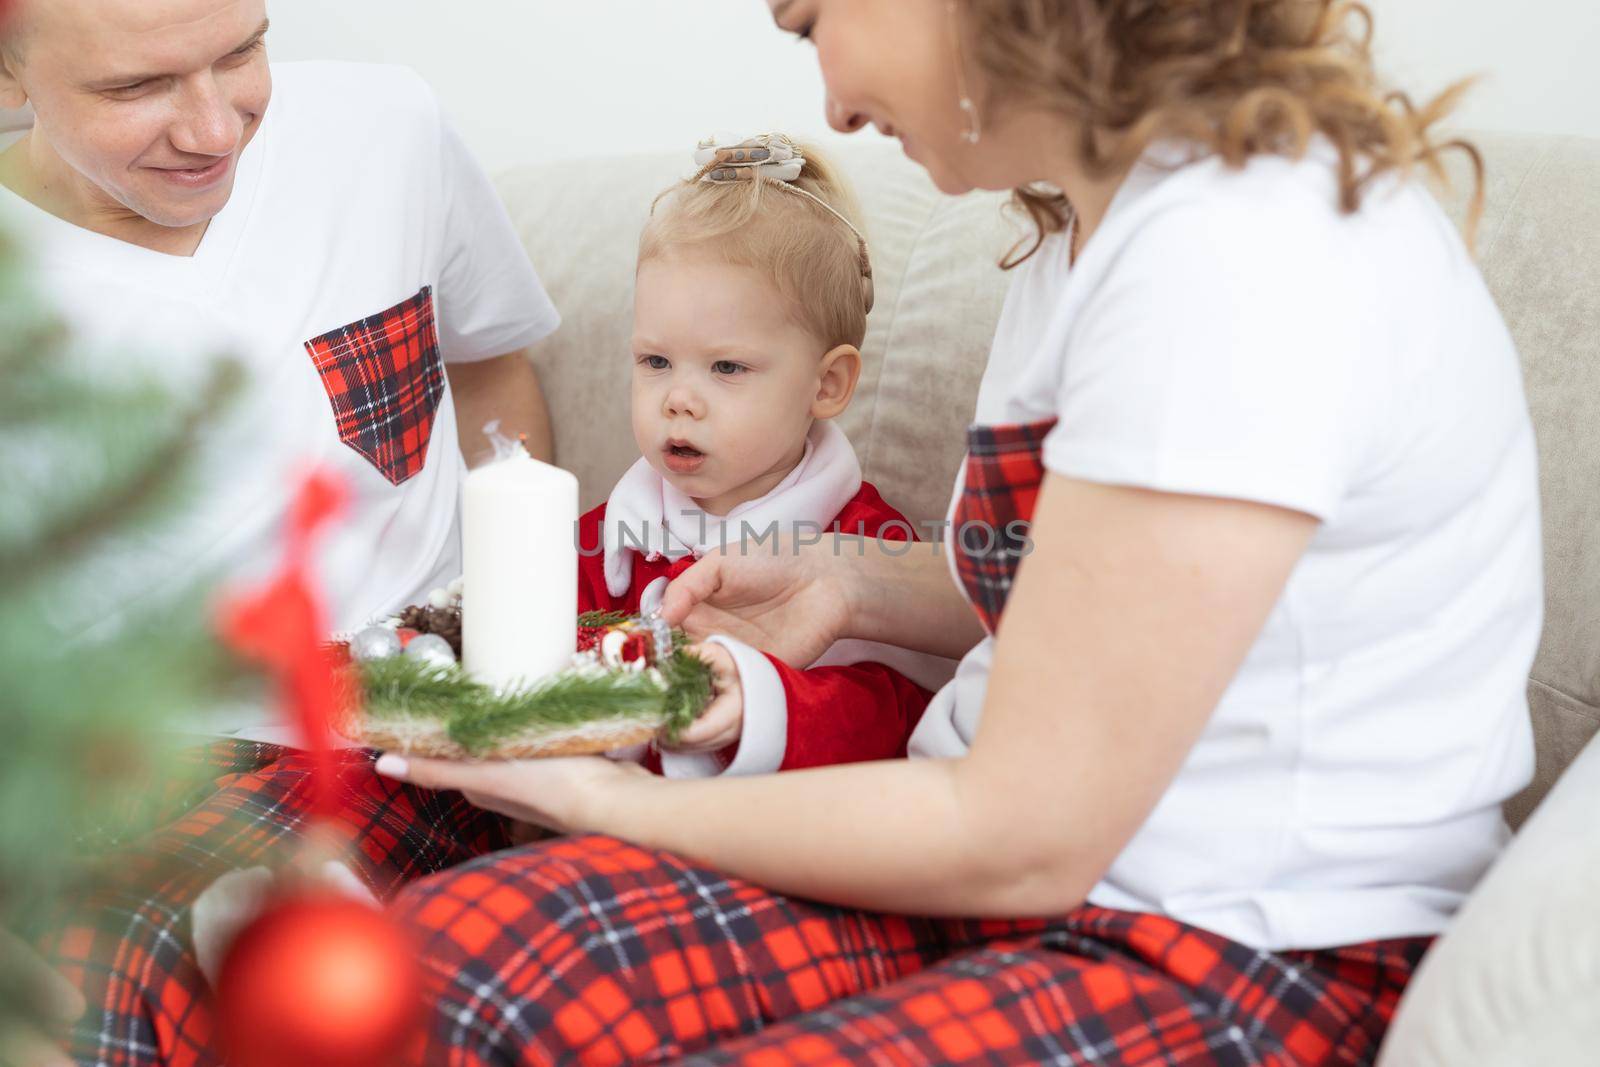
x=94 y=462
x=479 y=719
x=594 y=619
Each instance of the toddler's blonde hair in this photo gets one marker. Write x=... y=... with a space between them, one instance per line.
x=810 y=256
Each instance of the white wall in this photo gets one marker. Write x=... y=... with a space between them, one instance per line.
x=1539 y=60
x=552 y=79
x=548 y=79
x=530 y=80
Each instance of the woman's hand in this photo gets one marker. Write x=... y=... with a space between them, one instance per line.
x=796 y=601
x=722 y=722
x=45 y=996
x=792 y=602
x=567 y=795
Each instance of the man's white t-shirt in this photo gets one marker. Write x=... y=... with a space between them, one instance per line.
x=361 y=249
x=1230 y=333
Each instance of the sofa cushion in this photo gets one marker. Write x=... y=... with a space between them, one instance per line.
x=938 y=297
x=1540 y=250
x=1516 y=978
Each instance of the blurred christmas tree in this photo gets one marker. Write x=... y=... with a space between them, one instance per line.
x=87 y=461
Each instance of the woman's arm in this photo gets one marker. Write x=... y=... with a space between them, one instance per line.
x=904 y=595
x=1124 y=627
x=795 y=600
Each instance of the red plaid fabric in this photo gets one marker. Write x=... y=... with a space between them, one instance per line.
x=384 y=378
x=593 y=951
x=991 y=519
x=127 y=945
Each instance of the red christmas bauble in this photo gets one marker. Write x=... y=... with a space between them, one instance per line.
x=319 y=980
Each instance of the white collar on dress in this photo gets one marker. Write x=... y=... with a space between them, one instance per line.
x=647 y=513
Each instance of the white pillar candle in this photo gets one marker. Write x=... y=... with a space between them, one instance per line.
x=519 y=601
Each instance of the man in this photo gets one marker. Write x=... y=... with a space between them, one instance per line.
x=324 y=223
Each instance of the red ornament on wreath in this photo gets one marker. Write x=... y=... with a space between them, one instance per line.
x=636 y=647
x=317 y=979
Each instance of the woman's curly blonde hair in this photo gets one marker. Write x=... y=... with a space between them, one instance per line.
x=1237 y=78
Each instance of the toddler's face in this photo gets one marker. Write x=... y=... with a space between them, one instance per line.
x=724 y=384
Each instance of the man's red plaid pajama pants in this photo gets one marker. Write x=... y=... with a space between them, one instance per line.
x=128 y=946
x=589 y=950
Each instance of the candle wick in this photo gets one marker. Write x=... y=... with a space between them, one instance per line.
x=522 y=439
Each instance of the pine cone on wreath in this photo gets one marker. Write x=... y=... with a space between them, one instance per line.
x=444 y=622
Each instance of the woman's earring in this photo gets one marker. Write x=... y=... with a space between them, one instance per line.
x=974 y=130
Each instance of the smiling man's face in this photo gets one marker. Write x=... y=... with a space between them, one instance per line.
x=141 y=106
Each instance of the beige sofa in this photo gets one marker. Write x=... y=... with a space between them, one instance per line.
x=1518 y=980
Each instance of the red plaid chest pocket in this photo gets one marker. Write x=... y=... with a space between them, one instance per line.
x=1004 y=470
x=384 y=378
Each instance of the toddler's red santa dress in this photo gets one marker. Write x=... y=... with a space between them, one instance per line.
x=859 y=701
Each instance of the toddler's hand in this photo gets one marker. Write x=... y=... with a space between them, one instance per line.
x=723 y=720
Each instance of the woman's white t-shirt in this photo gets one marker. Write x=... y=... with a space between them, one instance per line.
x=1231 y=333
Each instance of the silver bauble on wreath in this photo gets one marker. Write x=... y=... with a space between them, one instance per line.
x=661 y=633
x=374 y=642
x=431 y=649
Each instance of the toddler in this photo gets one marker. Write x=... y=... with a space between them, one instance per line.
x=751 y=299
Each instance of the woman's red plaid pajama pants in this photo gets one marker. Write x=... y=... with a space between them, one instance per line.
x=589 y=950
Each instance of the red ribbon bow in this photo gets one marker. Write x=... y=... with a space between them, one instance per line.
x=282 y=625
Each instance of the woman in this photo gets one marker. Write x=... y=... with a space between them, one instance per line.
x=1231 y=733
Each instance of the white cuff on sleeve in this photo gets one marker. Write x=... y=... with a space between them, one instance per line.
x=764 y=738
